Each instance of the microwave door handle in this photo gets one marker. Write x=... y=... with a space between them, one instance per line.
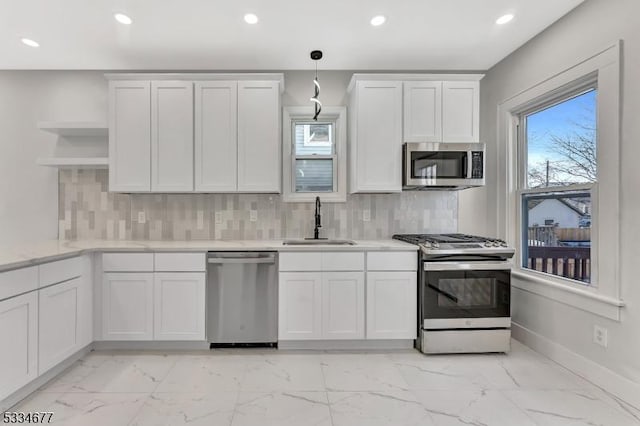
x=465 y=166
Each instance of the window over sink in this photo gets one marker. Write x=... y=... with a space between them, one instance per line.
x=314 y=154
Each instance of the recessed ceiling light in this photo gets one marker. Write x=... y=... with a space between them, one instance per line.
x=30 y=43
x=504 y=19
x=123 y=19
x=376 y=21
x=251 y=18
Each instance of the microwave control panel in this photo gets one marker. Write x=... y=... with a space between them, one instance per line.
x=477 y=162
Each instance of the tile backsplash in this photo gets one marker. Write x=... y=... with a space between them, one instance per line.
x=88 y=211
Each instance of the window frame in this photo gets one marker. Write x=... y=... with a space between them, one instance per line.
x=555 y=97
x=304 y=115
x=605 y=298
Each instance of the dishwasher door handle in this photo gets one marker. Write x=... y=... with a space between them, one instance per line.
x=245 y=260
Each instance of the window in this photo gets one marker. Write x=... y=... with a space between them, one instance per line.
x=314 y=154
x=558 y=142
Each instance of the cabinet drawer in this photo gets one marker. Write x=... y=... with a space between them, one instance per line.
x=62 y=270
x=18 y=281
x=392 y=261
x=300 y=261
x=322 y=261
x=127 y=262
x=341 y=261
x=180 y=262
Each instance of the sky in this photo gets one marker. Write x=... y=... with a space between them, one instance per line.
x=557 y=120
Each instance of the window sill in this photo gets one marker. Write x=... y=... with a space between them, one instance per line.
x=586 y=300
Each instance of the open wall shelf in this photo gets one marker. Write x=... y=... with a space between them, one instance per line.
x=75 y=128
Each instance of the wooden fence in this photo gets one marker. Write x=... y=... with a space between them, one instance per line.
x=568 y=262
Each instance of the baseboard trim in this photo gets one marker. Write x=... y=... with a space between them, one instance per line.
x=346 y=344
x=35 y=384
x=619 y=386
x=128 y=345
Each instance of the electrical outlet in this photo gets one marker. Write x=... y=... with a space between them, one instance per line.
x=253 y=215
x=218 y=218
x=142 y=217
x=366 y=215
x=600 y=336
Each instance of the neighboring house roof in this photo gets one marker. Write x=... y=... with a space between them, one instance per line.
x=570 y=204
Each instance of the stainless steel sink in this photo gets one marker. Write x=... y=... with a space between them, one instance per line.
x=318 y=242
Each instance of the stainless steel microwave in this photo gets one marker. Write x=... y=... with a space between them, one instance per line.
x=443 y=165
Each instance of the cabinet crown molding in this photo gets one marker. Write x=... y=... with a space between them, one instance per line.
x=279 y=77
x=412 y=77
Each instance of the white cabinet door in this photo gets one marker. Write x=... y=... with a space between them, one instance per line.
x=216 y=136
x=130 y=136
x=423 y=111
x=342 y=305
x=171 y=136
x=58 y=318
x=376 y=152
x=392 y=305
x=259 y=136
x=179 y=306
x=19 y=337
x=127 y=306
x=461 y=111
x=300 y=306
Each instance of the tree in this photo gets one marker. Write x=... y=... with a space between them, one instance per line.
x=574 y=159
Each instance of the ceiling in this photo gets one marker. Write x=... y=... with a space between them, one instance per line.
x=211 y=34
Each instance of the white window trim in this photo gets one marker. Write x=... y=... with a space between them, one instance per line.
x=605 y=299
x=334 y=114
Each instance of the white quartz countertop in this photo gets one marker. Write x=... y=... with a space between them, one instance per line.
x=32 y=254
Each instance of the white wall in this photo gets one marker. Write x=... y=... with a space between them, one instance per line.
x=592 y=26
x=29 y=193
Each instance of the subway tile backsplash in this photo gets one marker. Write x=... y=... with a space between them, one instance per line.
x=88 y=211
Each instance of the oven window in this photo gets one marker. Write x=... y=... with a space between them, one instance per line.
x=432 y=165
x=470 y=293
x=466 y=294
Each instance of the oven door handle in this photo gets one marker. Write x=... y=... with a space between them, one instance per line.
x=466 y=266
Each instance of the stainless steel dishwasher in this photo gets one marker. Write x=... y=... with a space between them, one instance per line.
x=242 y=299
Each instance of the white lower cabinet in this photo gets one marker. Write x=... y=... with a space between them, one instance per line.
x=392 y=305
x=342 y=305
x=127 y=306
x=179 y=306
x=300 y=306
x=59 y=315
x=19 y=337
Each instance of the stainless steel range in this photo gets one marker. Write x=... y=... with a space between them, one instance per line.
x=464 y=292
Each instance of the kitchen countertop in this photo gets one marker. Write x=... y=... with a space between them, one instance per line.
x=45 y=251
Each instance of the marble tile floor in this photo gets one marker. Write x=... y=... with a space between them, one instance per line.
x=289 y=388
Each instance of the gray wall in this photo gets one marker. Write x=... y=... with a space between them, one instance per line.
x=29 y=193
x=592 y=26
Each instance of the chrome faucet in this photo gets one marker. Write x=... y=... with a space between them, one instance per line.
x=316 y=232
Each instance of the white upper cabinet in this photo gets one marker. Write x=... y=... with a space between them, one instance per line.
x=216 y=129
x=259 y=136
x=423 y=111
x=171 y=136
x=460 y=111
x=376 y=137
x=129 y=136
x=194 y=132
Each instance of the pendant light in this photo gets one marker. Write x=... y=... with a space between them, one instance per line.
x=316 y=55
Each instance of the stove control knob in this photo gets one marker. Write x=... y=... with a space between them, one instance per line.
x=435 y=245
x=503 y=244
x=487 y=244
